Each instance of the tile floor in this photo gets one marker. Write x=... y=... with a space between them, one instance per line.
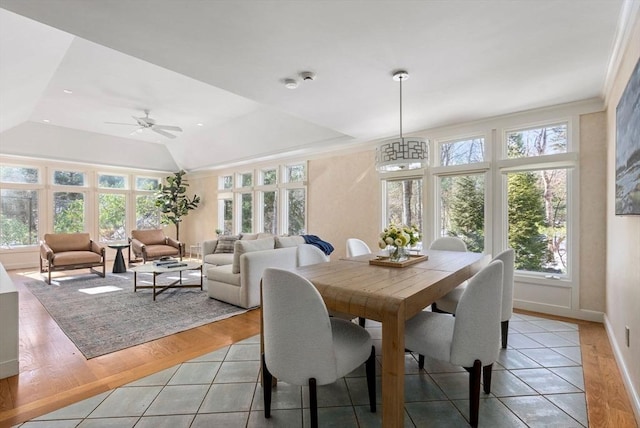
x=538 y=382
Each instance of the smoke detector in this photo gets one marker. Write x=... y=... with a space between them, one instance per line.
x=290 y=83
x=308 y=76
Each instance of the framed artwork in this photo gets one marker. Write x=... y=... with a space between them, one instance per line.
x=628 y=147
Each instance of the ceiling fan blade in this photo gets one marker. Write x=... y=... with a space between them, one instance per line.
x=167 y=127
x=161 y=132
x=121 y=123
x=136 y=132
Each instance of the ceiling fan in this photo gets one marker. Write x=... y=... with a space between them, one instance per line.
x=148 y=123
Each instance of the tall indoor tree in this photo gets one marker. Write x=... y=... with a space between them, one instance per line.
x=173 y=202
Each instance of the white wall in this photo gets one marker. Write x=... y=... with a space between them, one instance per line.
x=623 y=247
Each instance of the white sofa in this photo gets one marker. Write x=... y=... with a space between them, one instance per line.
x=214 y=255
x=238 y=283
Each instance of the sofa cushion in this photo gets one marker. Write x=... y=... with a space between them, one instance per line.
x=219 y=259
x=248 y=236
x=288 y=241
x=59 y=242
x=149 y=236
x=242 y=247
x=223 y=274
x=225 y=244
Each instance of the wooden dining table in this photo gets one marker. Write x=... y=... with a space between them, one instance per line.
x=391 y=295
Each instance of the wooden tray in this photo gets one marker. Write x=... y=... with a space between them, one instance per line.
x=413 y=259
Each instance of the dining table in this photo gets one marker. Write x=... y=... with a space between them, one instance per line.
x=391 y=295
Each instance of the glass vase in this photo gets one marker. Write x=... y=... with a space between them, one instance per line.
x=398 y=254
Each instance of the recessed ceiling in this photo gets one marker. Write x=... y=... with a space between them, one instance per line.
x=222 y=64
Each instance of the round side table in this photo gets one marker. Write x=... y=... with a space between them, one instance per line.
x=119 y=265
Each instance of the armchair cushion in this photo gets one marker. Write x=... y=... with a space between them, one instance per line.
x=60 y=242
x=226 y=244
x=149 y=236
x=242 y=246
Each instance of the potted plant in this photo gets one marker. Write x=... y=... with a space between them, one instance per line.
x=173 y=202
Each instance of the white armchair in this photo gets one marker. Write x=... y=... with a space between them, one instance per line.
x=302 y=345
x=471 y=339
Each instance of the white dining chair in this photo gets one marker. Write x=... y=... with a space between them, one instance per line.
x=303 y=345
x=448 y=243
x=357 y=247
x=471 y=339
x=449 y=302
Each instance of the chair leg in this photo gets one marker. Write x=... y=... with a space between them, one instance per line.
x=504 y=327
x=361 y=321
x=475 y=373
x=313 y=402
x=434 y=308
x=266 y=388
x=420 y=361
x=371 y=379
x=486 y=377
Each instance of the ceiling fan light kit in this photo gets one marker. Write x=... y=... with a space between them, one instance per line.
x=401 y=153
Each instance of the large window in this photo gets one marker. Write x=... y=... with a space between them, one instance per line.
x=462 y=209
x=271 y=200
x=68 y=212
x=56 y=197
x=404 y=203
x=19 y=205
x=537 y=200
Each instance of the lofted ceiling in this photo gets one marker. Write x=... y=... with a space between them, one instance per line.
x=216 y=69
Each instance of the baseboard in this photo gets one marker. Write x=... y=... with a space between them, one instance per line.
x=561 y=311
x=634 y=397
x=9 y=368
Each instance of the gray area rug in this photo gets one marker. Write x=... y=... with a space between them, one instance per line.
x=109 y=321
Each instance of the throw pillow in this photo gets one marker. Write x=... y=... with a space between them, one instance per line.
x=225 y=244
x=242 y=247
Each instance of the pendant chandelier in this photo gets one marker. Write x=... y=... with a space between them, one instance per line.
x=401 y=153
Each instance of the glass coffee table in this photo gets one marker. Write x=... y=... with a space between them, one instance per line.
x=156 y=270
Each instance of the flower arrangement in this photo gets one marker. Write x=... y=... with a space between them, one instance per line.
x=399 y=237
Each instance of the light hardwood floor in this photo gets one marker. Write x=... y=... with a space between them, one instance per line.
x=54 y=374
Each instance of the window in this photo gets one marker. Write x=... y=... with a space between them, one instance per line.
x=265 y=202
x=147 y=183
x=18 y=174
x=112 y=212
x=68 y=212
x=246 y=179
x=404 y=203
x=462 y=209
x=462 y=152
x=296 y=210
x=18 y=217
x=538 y=206
x=112 y=181
x=226 y=182
x=246 y=213
x=19 y=205
x=547 y=140
x=69 y=178
x=147 y=214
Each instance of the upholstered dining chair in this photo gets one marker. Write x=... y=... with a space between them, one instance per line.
x=357 y=247
x=303 y=345
x=470 y=339
x=449 y=302
x=311 y=255
x=448 y=243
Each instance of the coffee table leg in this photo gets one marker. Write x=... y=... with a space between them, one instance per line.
x=135 y=281
x=154 y=286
